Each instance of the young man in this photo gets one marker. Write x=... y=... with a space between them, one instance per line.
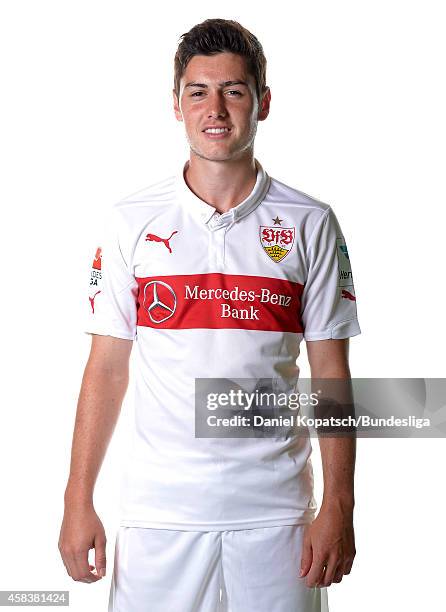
x=218 y=272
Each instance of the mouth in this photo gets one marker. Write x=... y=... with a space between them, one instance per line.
x=217 y=132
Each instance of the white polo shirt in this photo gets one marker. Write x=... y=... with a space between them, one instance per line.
x=209 y=295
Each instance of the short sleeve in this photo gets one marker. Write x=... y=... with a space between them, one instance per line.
x=328 y=302
x=112 y=295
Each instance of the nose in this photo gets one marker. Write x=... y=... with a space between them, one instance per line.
x=216 y=106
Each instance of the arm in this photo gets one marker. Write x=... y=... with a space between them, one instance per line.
x=329 y=540
x=103 y=388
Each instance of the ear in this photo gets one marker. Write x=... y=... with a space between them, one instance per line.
x=176 y=106
x=264 y=105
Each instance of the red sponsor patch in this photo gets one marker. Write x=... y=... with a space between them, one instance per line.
x=219 y=301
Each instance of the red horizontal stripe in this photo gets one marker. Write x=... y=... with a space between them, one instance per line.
x=219 y=301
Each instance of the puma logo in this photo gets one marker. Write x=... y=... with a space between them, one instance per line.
x=165 y=241
x=348 y=295
x=92 y=301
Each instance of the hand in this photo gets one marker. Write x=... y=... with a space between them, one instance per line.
x=81 y=530
x=328 y=546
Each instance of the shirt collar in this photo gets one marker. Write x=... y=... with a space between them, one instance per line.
x=203 y=211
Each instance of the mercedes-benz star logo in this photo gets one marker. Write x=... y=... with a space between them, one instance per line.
x=160 y=303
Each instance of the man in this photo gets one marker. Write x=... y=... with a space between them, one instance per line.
x=217 y=272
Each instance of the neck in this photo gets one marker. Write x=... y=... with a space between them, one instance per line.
x=222 y=184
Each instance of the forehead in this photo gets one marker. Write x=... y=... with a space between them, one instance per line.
x=217 y=68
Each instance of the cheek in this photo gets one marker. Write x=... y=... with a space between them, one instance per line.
x=191 y=116
x=249 y=120
x=249 y=112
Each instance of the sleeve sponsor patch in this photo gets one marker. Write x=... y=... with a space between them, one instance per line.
x=95 y=277
x=345 y=271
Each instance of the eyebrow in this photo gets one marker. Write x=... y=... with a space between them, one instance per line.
x=222 y=84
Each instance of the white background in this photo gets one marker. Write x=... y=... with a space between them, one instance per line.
x=357 y=121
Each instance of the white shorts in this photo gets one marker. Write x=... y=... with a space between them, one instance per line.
x=252 y=570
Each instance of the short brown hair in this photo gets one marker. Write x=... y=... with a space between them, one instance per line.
x=217 y=36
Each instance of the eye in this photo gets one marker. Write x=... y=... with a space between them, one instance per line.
x=234 y=91
x=196 y=94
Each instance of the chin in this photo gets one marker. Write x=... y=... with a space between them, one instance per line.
x=214 y=156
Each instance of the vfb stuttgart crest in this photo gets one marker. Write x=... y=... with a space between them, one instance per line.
x=277 y=241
